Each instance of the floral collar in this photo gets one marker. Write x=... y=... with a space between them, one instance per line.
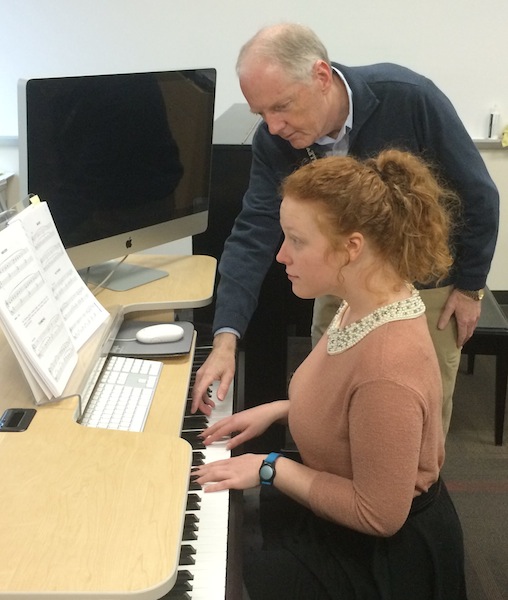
x=340 y=340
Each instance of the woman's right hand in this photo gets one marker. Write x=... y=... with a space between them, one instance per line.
x=247 y=424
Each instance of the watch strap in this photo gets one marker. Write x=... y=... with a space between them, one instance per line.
x=476 y=295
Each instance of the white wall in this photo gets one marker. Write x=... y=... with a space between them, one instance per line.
x=497 y=164
x=460 y=44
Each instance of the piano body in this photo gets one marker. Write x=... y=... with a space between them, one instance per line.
x=210 y=566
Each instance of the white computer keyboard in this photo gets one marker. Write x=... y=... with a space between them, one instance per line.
x=123 y=394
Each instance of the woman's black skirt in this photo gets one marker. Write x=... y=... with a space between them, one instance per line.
x=307 y=557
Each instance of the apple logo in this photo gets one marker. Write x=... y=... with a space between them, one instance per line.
x=128 y=243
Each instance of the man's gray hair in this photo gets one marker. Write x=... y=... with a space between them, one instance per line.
x=293 y=47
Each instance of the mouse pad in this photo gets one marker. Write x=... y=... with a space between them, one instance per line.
x=126 y=344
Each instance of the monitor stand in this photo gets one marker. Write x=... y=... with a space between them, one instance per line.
x=125 y=276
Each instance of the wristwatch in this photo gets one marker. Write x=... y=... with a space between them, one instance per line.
x=267 y=469
x=473 y=294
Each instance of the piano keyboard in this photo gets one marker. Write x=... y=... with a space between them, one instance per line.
x=202 y=573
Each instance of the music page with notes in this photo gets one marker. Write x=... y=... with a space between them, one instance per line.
x=46 y=310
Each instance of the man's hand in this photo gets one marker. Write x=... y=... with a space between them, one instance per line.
x=467 y=312
x=219 y=366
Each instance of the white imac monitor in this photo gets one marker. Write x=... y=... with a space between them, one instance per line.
x=123 y=161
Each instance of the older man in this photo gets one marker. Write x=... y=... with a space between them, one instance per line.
x=312 y=107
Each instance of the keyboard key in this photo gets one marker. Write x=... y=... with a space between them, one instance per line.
x=123 y=394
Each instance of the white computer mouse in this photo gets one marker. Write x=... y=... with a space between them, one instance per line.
x=160 y=333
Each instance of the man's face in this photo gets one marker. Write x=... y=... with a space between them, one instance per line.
x=294 y=110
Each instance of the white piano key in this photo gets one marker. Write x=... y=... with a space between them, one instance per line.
x=209 y=570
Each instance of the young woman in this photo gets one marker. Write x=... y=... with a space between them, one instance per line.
x=375 y=520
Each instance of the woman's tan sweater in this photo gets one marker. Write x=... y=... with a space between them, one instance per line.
x=369 y=420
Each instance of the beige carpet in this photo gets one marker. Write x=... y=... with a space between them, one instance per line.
x=476 y=472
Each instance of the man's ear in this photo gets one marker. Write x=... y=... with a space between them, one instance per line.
x=323 y=72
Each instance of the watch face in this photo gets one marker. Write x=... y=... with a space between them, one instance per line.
x=267 y=469
x=266 y=472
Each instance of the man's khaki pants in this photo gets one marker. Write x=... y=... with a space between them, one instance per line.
x=445 y=341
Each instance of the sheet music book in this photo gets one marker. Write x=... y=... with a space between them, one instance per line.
x=46 y=310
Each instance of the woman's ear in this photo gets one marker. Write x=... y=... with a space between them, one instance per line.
x=354 y=245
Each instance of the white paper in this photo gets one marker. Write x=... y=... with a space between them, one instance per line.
x=46 y=308
x=81 y=311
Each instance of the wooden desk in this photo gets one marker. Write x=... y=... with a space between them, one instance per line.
x=190 y=284
x=94 y=513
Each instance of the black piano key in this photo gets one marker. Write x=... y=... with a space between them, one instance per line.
x=182 y=586
x=187 y=554
x=193 y=502
x=190 y=529
x=176 y=595
x=190 y=521
x=193 y=438
x=187 y=550
x=184 y=575
x=182 y=583
x=188 y=404
x=194 y=485
x=189 y=536
x=189 y=532
x=191 y=518
x=198 y=458
x=195 y=422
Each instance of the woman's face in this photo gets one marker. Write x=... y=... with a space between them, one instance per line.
x=312 y=265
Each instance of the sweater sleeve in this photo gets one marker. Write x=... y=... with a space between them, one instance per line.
x=447 y=144
x=385 y=429
x=256 y=234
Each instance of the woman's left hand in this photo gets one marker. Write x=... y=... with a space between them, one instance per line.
x=237 y=473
